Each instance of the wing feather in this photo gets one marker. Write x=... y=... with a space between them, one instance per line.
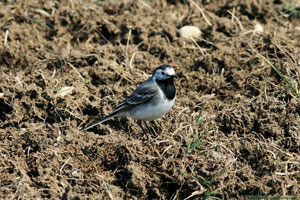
x=142 y=94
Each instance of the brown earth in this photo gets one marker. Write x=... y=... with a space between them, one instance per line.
x=246 y=143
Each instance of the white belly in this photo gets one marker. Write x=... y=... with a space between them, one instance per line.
x=152 y=110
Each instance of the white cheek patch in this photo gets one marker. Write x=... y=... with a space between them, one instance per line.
x=170 y=71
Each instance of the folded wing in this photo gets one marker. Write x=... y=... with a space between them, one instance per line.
x=144 y=93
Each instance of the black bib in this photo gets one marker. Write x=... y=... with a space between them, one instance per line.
x=167 y=86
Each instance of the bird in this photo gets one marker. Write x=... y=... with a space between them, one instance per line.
x=149 y=101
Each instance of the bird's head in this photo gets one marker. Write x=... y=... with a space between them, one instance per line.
x=164 y=72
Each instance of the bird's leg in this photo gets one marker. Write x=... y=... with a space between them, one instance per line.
x=140 y=124
x=151 y=131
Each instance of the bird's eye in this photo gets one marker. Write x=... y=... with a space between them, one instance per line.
x=162 y=73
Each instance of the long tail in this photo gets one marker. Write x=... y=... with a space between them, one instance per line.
x=98 y=121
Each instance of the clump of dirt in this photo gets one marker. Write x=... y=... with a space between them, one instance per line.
x=234 y=129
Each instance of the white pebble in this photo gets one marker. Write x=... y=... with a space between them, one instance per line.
x=189 y=32
x=258 y=28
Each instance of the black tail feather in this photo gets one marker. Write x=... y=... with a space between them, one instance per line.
x=98 y=121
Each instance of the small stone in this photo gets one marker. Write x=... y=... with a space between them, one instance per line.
x=189 y=32
x=258 y=28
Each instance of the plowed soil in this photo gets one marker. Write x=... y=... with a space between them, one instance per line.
x=234 y=129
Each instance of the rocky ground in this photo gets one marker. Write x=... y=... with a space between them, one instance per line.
x=234 y=129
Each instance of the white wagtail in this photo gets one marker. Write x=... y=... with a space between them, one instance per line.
x=151 y=100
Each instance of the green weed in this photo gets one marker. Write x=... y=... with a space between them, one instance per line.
x=196 y=143
x=291 y=10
